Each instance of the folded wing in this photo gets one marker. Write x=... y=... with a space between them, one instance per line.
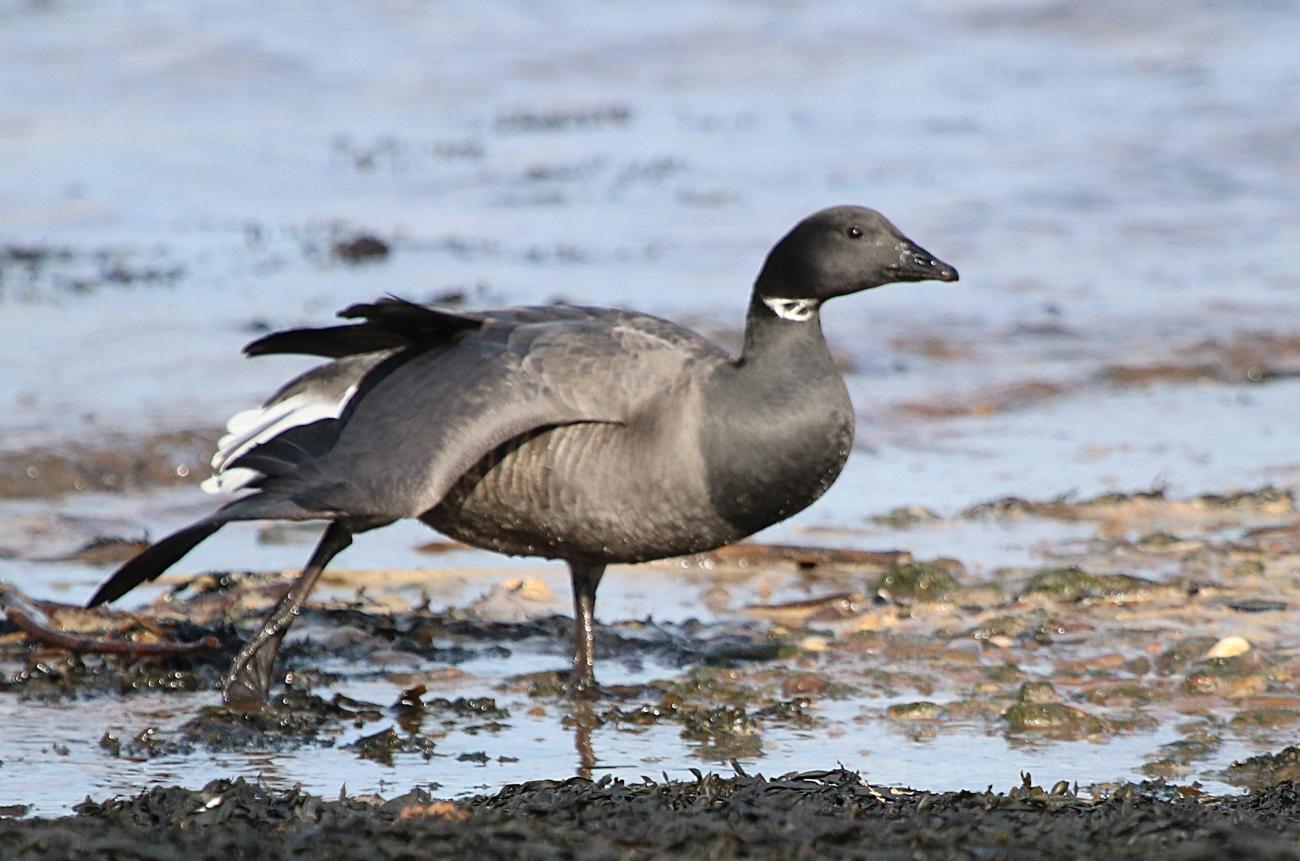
x=386 y=433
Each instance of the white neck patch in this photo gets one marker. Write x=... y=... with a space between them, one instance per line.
x=798 y=310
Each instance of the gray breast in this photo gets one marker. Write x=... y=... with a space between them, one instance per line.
x=589 y=491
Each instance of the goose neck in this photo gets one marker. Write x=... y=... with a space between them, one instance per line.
x=783 y=329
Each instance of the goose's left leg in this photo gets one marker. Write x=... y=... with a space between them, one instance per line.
x=585 y=579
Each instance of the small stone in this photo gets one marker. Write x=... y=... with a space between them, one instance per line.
x=923 y=710
x=1043 y=716
x=1075 y=584
x=1182 y=654
x=1229 y=647
x=1265 y=717
x=1138 y=666
x=1110 y=692
x=1032 y=693
x=1224 y=680
x=814 y=644
x=916 y=581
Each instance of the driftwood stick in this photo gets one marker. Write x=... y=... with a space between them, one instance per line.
x=34 y=623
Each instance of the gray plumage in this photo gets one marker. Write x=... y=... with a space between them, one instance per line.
x=585 y=434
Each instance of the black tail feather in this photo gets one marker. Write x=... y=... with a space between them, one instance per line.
x=153 y=561
x=394 y=314
x=332 y=342
x=390 y=324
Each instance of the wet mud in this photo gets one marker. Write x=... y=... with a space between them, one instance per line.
x=172 y=459
x=1244 y=359
x=1164 y=618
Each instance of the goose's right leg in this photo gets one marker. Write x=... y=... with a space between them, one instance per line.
x=249 y=678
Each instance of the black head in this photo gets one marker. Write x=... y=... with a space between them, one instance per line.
x=842 y=250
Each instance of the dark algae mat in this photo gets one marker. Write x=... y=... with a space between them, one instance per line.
x=815 y=814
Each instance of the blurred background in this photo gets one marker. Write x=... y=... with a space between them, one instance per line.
x=1116 y=181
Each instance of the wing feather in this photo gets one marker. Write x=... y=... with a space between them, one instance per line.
x=415 y=422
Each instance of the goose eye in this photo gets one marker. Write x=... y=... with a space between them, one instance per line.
x=854 y=232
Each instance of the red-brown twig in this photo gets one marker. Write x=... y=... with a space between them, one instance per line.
x=20 y=612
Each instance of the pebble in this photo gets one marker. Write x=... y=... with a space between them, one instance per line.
x=814 y=644
x=1229 y=647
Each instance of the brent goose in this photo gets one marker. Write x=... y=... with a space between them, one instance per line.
x=590 y=435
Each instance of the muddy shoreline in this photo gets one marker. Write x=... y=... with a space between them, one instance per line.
x=825 y=814
x=1160 y=639
x=1066 y=542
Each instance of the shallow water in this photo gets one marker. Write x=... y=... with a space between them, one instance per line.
x=1115 y=183
x=51 y=769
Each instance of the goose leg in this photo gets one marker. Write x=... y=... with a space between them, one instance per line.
x=249 y=678
x=585 y=578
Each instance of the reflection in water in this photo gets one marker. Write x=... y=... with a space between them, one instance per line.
x=584 y=720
